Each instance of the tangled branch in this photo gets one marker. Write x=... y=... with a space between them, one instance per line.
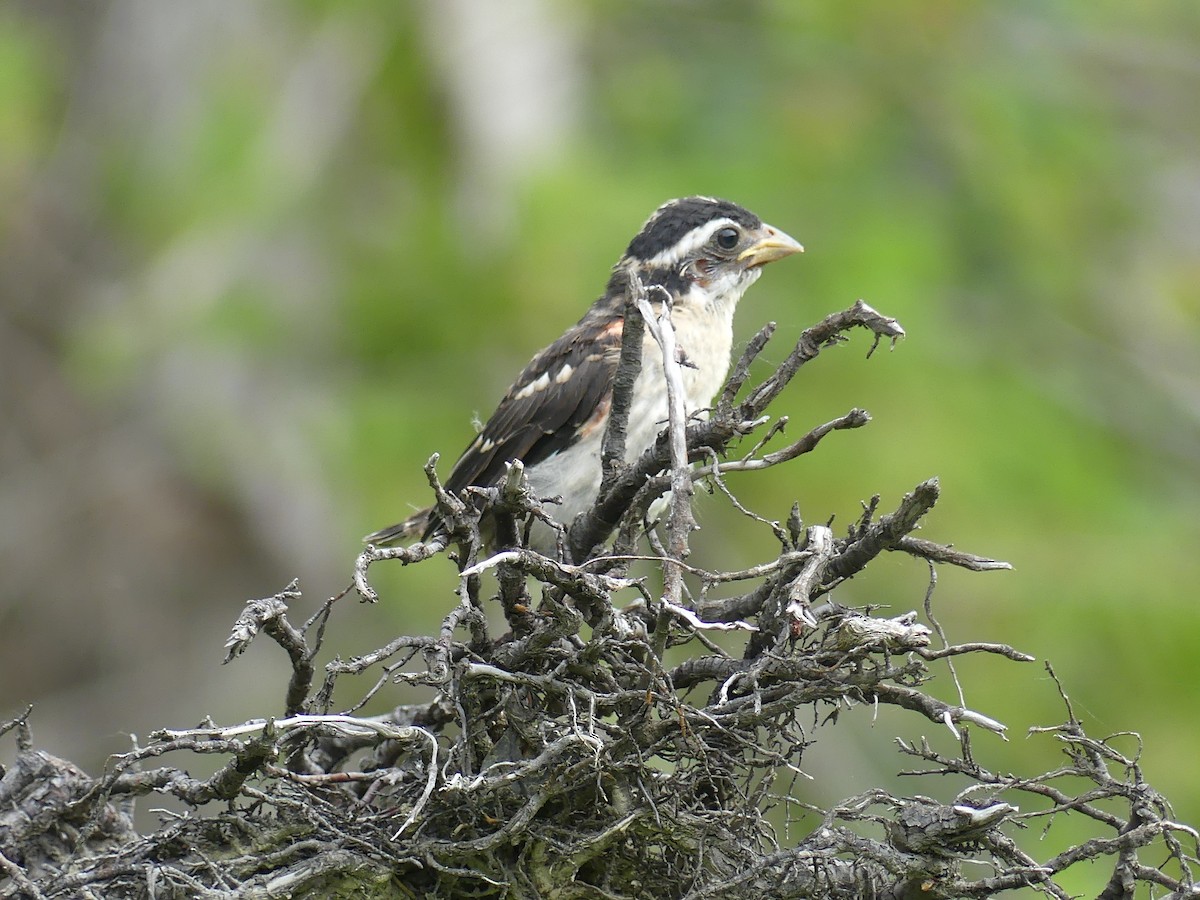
x=615 y=740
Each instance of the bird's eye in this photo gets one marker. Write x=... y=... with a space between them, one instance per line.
x=727 y=238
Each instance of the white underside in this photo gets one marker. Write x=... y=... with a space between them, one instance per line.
x=704 y=332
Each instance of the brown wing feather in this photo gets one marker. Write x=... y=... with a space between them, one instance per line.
x=543 y=411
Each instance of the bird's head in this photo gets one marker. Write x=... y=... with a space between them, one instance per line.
x=705 y=251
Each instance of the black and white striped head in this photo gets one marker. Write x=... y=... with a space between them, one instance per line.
x=704 y=250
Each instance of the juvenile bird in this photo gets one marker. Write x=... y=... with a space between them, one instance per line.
x=705 y=253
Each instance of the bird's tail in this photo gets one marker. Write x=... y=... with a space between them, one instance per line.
x=415 y=526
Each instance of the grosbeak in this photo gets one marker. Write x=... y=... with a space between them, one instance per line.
x=702 y=252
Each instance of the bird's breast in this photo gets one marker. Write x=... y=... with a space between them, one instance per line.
x=704 y=336
x=705 y=340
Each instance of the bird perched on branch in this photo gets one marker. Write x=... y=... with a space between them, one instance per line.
x=702 y=252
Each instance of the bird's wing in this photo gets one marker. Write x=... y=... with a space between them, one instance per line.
x=562 y=394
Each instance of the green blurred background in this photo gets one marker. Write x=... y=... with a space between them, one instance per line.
x=259 y=261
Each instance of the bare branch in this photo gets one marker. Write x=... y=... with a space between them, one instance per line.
x=270 y=615
x=616 y=740
x=629 y=366
x=939 y=553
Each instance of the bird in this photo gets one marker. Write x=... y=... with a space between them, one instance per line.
x=704 y=253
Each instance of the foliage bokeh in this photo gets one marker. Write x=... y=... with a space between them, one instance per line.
x=258 y=262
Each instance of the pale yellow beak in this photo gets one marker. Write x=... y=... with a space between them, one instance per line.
x=772 y=244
